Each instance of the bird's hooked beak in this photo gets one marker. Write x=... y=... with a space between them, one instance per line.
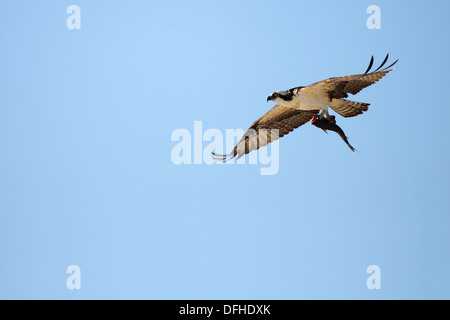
x=269 y=98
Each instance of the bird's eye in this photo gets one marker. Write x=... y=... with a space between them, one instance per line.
x=275 y=95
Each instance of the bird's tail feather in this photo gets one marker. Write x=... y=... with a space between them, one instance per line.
x=347 y=108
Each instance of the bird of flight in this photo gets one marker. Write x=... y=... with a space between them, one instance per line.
x=299 y=105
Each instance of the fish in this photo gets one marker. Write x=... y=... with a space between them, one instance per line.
x=330 y=124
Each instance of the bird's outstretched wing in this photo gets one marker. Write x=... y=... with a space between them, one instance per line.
x=340 y=87
x=276 y=123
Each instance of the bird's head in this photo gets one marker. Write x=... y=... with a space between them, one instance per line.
x=280 y=96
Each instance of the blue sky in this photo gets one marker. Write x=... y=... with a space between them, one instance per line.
x=87 y=179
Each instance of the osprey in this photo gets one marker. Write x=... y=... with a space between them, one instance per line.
x=299 y=105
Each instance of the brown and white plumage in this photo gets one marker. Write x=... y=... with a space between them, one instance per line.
x=276 y=123
x=335 y=89
x=298 y=105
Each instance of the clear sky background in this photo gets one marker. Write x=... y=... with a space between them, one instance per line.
x=86 y=176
